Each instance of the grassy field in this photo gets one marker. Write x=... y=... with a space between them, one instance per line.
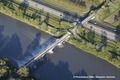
x=107 y=10
x=76 y=6
x=66 y=5
x=117 y=23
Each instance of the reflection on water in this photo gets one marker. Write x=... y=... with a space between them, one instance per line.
x=21 y=42
x=33 y=52
x=70 y=61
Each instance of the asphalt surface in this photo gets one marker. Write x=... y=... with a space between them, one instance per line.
x=91 y=21
x=110 y=31
x=102 y=26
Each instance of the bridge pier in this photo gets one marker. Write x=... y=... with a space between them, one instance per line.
x=51 y=51
x=60 y=45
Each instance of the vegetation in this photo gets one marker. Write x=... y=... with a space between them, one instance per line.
x=4 y=67
x=109 y=52
x=37 y=18
x=74 y=6
x=109 y=8
x=47 y=22
x=8 y=72
x=23 y=72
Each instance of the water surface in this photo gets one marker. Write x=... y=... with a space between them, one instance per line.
x=21 y=42
x=70 y=61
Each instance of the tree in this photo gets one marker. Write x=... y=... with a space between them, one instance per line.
x=47 y=19
x=23 y=72
x=23 y=6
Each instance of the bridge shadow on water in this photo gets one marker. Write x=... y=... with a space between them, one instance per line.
x=34 y=48
x=11 y=47
x=59 y=71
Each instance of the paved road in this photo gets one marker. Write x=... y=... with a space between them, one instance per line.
x=110 y=35
x=102 y=26
x=110 y=32
x=52 y=10
x=45 y=8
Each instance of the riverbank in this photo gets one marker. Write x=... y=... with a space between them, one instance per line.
x=39 y=19
x=89 y=48
x=70 y=61
x=85 y=47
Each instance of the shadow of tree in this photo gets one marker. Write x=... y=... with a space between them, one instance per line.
x=82 y=73
x=118 y=29
x=13 y=47
x=98 y=7
x=34 y=45
x=54 y=72
x=10 y=47
x=59 y=71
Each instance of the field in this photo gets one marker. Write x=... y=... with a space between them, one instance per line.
x=74 y=6
x=108 y=9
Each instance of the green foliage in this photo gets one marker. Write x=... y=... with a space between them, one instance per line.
x=23 y=72
x=3 y=67
x=36 y=18
x=90 y=48
x=109 y=8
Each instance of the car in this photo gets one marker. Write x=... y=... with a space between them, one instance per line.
x=95 y=23
x=115 y=30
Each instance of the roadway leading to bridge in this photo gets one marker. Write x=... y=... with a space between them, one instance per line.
x=110 y=34
x=44 y=8
x=107 y=33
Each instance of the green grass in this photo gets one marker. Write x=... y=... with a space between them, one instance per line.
x=116 y=23
x=90 y=48
x=105 y=12
x=66 y=5
x=18 y=14
x=72 y=7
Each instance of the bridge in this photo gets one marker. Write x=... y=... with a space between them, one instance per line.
x=50 y=47
x=69 y=32
x=62 y=39
x=41 y=54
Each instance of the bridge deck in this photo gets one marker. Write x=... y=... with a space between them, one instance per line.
x=41 y=54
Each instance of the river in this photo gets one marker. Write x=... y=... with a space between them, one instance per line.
x=70 y=61
x=20 y=42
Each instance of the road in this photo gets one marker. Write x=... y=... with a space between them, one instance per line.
x=54 y=11
x=110 y=32
x=102 y=26
x=89 y=25
x=110 y=35
x=44 y=8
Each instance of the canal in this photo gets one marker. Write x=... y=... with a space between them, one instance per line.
x=20 y=42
